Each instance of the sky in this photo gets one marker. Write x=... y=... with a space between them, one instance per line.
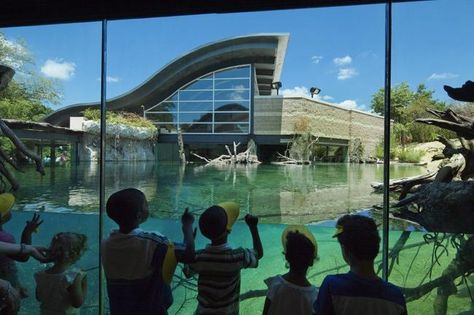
x=339 y=50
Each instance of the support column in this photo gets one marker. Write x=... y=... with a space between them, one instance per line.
x=52 y=155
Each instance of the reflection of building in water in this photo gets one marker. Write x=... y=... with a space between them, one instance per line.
x=310 y=194
x=227 y=91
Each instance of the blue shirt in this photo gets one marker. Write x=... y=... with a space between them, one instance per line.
x=351 y=294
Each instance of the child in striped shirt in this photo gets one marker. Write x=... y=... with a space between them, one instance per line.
x=218 y=265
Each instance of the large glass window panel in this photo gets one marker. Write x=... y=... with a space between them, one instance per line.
x=173 y=97
x=164 y=107
x=195 y=106
x=56 y=66
x=233 y=95
x=231 y=128
x=348 y=72
x=199 y=85
x=164 y=128
x=232 y=106
x=243 y=72
x=196 y=128
x=162 y=117
x=195 y=117
x=231 y=117
x=232 y=84
x=435 y=245
x=195 y=95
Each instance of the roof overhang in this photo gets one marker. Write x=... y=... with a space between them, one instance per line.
x=265 y=51
x=33 y=12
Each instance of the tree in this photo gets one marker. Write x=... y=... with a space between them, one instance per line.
x=401 y=96
x=29 y=94
x=408 y=105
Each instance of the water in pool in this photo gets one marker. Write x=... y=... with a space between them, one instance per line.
x=277 y=194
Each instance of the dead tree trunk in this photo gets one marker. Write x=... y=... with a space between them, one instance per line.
x=181 y=153
x=446 y=204
x=6 y=74
x=249 y=156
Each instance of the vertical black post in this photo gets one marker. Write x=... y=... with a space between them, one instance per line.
x=386 y=142
x=52 y=154
x=103 y=112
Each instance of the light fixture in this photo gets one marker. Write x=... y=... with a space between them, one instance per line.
x=276 y=86
x=314 y=91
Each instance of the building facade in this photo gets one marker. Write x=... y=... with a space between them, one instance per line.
x=226 y=92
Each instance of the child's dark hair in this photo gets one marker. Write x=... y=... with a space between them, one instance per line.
x=124 y=205
x=67 y=246
x=359 y=236
x=300 y=251
x=213 y=222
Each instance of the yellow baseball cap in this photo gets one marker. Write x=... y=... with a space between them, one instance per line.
x=302 y=230
x=232 y=210
x=6 y=203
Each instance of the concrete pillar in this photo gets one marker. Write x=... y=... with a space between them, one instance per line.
x=52 y=155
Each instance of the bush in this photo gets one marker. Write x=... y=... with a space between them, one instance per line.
x=119 y=118
x=410 y=155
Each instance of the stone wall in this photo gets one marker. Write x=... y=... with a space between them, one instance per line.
x=123 y=143
x=276 y=115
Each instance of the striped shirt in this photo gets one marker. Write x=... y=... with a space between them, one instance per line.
x=219 y=277
x=350 y=294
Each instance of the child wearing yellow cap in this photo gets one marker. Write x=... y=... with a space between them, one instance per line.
x=218 y=265
x=8 y=269
x=292 y=293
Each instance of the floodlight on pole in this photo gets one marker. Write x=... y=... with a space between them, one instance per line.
x=276 y=86
x=314 y=91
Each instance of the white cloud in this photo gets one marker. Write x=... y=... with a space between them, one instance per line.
x=296 y=91
x=342 y=61
x=111 y=79
x=316 y=59
x=349 y=104
x=346 y=73
x=237 y=95
x=58 y=69
x=303 y=91
x=442 y=76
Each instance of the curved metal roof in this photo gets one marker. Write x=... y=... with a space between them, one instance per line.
x=265 y=51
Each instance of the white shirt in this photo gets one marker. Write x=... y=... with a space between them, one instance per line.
x=288 y=298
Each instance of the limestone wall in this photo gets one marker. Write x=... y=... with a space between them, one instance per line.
x=369 y=129
x=277 y=116
x=123 y=143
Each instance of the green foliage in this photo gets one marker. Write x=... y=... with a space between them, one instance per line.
x=28 y=95
x=410 y=155
x=393 y=148
x=400 y=97
x=408 y=105
x=119 y=118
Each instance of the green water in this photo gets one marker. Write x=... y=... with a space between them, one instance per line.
x=277 y=194
x=68 y=196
